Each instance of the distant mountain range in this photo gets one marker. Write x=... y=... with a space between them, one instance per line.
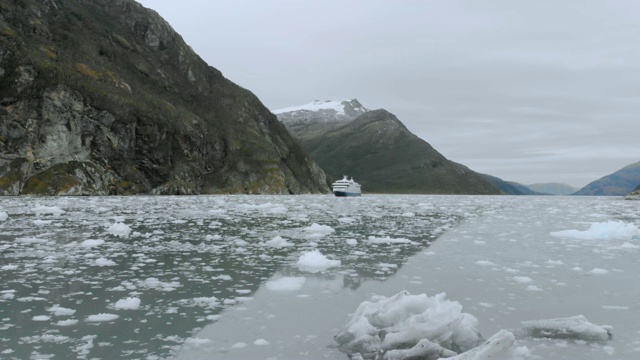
x=619 y=183
x=374 y=147
x=553 y=188
x=510 y=187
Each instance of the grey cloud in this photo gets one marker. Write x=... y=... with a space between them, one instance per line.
x=535 y=91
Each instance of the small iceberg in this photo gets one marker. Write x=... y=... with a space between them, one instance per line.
x=573 y=328
x=405 y=326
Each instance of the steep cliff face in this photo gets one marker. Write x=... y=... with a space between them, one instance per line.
x=104 y=97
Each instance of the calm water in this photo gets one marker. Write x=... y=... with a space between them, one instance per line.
x=188 y=277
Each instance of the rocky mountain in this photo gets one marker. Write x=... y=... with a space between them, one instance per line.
x=104 y=97
x=634 y=195
x=553 y=188
x=378 y=151
x=619 y=183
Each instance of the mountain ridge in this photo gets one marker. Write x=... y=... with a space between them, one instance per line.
x=380 y=153
x=618 y=183
x=104 y=97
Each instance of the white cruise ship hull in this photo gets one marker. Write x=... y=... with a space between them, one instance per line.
x=346 y=193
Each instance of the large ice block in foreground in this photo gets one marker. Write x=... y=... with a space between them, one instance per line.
x=574 y=327
x=403 y=322
x=499 y=346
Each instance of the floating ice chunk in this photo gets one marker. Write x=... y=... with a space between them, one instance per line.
x=239 y=345
x=155 y=283
x=9 y=267
x=69 y=322
x=278 y=242
x=485 y=263
x=58 y=310
x=424 y=349
x=130 y=303
x=499 y=346
x=205 y=302
x=44 y=210
x=195 y=341
x=320 y=229
x=523 y=279
x=104 y=262
x=101 y=317
x=3 y=215
x=313 y=262
x=31 y=240
x=92 y=242
x=41 y=318
x=261 y=342
x=403 y=320
x=352 y=242
x=286 y=284
x=610 y=230
x=598 y=271
x=119 y=229
x=388 y=240
x=575 y=328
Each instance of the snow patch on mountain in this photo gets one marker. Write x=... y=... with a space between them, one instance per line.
x=322 y=111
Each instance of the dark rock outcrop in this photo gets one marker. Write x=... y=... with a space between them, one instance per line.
x=104 y=97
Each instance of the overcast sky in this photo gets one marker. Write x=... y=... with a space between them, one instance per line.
x=529 y=91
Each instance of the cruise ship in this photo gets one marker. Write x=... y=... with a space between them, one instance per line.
x=346 y=187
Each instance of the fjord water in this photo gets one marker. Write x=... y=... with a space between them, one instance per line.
x=222 y=277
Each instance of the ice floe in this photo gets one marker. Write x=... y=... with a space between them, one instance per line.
x=314 y=261
x=403 y=320
x=574 y=328
x=610 y=230
x=286 y=283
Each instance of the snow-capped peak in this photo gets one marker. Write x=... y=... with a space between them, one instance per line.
x=341 y=107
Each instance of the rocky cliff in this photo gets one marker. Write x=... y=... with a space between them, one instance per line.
x=382 y=154
x=104 y=97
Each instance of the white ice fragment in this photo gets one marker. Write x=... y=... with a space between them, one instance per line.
x=575 y=328
x=3 y=215
x=101 y=317
x=130 y=303
x=388 y=240
x=43 y=210
x=261 y=342
x=278 y=242
x=58 y=310
x=91 y=243
x=313 y=262
x=41 y=318
x=69 y=322
x=424 y=349
x=119 y=229
x=598 y=271
x=610 y=230
x=9 y=267
x=104 y=262
x=485 y=263
x=320 y=229
x=195 y=341
x=499 y=346
x=522 y=279
x=239 y=345
x=286 y=284
x=403 y=320
x=352 y=242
